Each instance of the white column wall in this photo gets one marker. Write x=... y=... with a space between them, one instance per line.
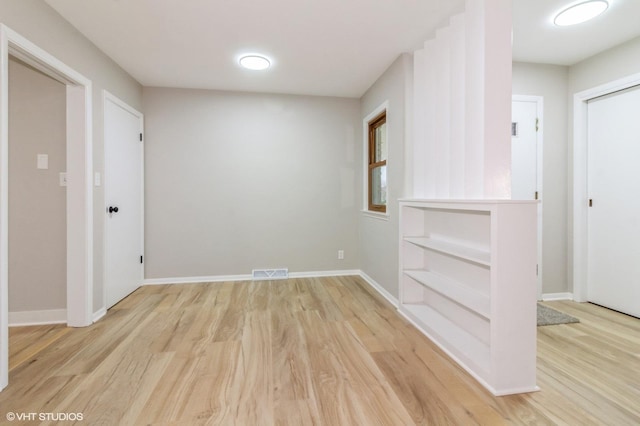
x=462 y=107
x=457 y=108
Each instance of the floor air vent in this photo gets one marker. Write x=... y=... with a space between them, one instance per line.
x=270 y=274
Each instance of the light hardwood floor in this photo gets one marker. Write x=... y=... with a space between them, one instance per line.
x=324 y=351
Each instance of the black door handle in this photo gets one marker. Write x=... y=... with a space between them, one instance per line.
x=112 y=209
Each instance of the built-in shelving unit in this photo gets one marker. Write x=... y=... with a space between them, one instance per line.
x=468 y=282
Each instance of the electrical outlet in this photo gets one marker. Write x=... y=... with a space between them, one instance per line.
x=340 y=254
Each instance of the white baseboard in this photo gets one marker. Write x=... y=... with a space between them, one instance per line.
x=51 y=316
x=97 y=315
x=194 y=280
x=317 y=274
x=547 y=297
x=248 y=277
x=377 y=287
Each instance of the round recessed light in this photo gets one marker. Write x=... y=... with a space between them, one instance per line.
x=255 y=62
x=581 y=12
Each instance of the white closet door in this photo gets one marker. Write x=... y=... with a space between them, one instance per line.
x=614 y=188
x=123 y=161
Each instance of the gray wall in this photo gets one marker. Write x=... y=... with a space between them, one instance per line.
x=237 y=181
x=36 y=21
x=37 y=203
x=612 y=64
x=379 y=238
x=558 y=85
x=550 y=82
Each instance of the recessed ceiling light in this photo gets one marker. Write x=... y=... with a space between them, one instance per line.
x=580 y=12
x=255 y=62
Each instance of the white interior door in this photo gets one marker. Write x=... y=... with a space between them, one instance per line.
x=613 y=187
x=526 y=160
x=524 y=164
x=123 y=183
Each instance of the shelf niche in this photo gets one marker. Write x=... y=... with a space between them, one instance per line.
x=468 y=282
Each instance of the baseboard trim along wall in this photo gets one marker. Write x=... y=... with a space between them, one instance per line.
x=247 y=277
x=316 y=274
x=381 y=290
x=194 y=280
x=97 y=315
x=547 y=297
x=51 y=316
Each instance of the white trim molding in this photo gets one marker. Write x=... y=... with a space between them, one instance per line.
x=317 y=274
x=580 y=176
x=375 y=215
x=97 y=315
x=245 y=277
x=196 y=280
x=79 y=187
x=548 y=297
x=381 y=290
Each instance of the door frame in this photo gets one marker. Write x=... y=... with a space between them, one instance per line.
x=579 y=201
x=79 y=146
x=539 y=101
x=109 y=97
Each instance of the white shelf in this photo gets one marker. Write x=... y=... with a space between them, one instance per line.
x=463 y=252
x=468 y=281
x=457 y=340
x=465 y=296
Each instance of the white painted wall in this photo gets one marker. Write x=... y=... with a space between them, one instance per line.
x=37 y=203
x=462 y=79
x=550 y=82
x=378 y=238
x=36 y=21
x=237 y=181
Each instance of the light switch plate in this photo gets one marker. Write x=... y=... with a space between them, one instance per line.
x=43 y=161
x=97 y=179
x=63 y=179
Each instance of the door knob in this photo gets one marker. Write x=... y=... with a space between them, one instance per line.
x=112 y=209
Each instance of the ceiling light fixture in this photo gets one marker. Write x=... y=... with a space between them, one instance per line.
x=581 y=12
x=255 y=62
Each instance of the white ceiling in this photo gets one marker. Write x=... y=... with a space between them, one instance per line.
x=537 y=39
x=318 y=47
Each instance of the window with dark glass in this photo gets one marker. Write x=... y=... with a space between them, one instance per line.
x=378 y=163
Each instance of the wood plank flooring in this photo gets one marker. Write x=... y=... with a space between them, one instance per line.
x=317 y=351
